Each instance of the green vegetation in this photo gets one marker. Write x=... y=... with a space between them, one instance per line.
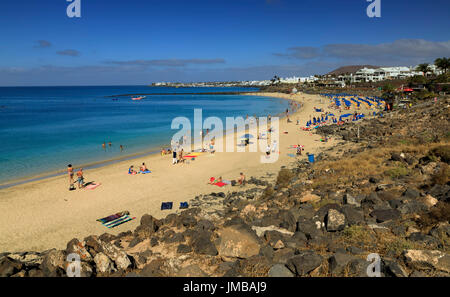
x=425 y=68
x=398 y=171
x=442 y=63
x=357 y=233
x=443 y=152
x=399 y=245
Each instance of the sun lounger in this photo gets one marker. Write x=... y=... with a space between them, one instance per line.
x=166 y=205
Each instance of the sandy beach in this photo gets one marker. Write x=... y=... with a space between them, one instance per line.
x=43 y=214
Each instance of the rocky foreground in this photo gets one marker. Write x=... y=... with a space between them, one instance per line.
x=384 y=189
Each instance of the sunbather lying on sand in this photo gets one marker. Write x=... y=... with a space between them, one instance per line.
x=213 y=180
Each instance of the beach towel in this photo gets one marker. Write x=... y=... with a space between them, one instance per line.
x=291 y=155
x=119 y=221
x=92 y=186
x=146 y=171
x=113 y=217
x=184 y=205
x=227 y=182
x=166 y=205
x=220 y=184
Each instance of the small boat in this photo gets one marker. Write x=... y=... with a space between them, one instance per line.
x=138 y=98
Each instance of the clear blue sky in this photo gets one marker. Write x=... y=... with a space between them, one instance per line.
x=139 y=42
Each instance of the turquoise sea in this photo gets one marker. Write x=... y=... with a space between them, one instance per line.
x=42 y=129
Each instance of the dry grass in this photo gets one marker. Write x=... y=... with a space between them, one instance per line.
x=441 y=177
x=373 y=163
x=284 y=177
x=358 y=234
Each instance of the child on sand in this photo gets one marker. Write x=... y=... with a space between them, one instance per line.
x=131 y=170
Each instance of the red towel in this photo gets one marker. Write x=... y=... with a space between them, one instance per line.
x=220 y=184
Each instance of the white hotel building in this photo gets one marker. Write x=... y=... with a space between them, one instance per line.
x=384 y=73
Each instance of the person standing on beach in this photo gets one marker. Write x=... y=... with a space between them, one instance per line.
x=80 y=178
x=70 y=172
x=180 y=157
x=174 y=157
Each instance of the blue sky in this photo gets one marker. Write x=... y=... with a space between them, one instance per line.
x=139 y=42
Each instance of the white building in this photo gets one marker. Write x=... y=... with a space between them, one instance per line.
x=384 y=73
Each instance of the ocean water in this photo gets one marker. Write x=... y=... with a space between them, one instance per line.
x=42 y=129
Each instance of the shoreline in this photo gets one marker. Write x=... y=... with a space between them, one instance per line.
x=44 y=214
x=98 y=164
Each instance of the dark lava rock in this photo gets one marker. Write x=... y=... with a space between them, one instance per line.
x=353 y=215
x=279 y=270
x=205 y=225
x=323 y=211
x=153 y=269
x=411 y=193
x=412 y=207
x=106 y=237
x=383 y=215
x=135 y=241
x=396 y=157
x=393 y=268
x=304 y=263
x=423 y=238
x=308 y=227
x=201 y=243
x=338 y=262
x=184 y=249
x=188 y=221
x=9 y=267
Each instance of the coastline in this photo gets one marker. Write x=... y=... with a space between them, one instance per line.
x=42 y=214
x=155 y=149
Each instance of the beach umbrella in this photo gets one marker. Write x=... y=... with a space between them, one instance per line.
x=247 y=136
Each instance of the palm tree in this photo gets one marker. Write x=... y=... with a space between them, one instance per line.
x=425 y=68
x=442 y=63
